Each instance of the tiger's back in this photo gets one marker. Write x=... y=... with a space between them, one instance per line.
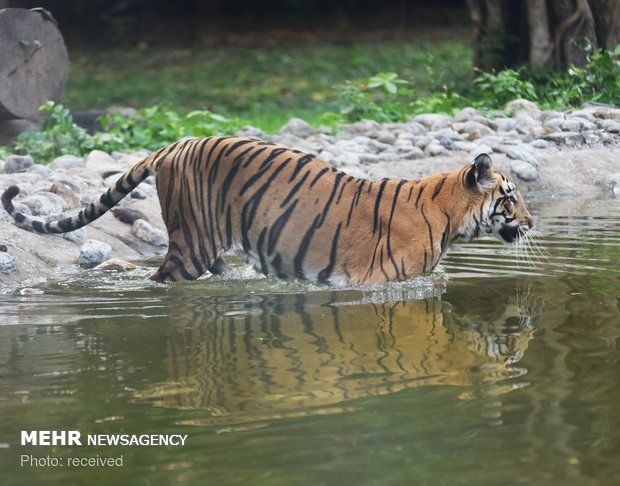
x=295 y=216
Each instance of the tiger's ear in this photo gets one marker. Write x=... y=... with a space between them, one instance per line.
x=480 y=175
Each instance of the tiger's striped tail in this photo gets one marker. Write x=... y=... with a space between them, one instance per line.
x=123 y=186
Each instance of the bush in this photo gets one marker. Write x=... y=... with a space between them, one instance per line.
x=150 y=128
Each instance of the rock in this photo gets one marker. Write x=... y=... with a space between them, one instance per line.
x=17 y=163
x=521 y=104
x=505 y=124
x=474 y=135
x=434 y=121
x=541 y=144
x=3 y=248
x=7 y=263
x=364 y=126
x=142 y=192
x=415 y=128
x=471 y=126
x=422 y=141
x=297 y=127
x=66 y=194
x=326 y=155
x=524 y=170
x=613 y=127
x=355 y=171
x=116 y=265
x=148 y=233
x=554 y=124
x=412 y=154
x=521 y=152
x=65 y=162
x=41 y=170
x=583 y=114
x=446 y=137
x=348 y=159
x=252 y=132
x=67 y=180
x=102 y=163
x=434 y=149
x=128 y=215
x=466 y=114
x=384 y=136
x=465 y=146
x=77 y=236
x=603 y=111
x=44 y=204
x=564 y=138
x=591 y=137
x=369 y=158
x=30 y=291
x=492 y=141
x=481 y=149
x=570 y=125
x=93 y=252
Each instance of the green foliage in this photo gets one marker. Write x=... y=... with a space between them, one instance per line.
x=598 y=81
x=154 y=127
x=497 y=89
x=389 y=82
x=150 y=128
x=58 y=135
x=275 y=87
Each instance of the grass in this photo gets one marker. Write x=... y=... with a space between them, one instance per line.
x=265 y=85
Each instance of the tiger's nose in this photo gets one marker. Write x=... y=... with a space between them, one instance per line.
x=529 y=221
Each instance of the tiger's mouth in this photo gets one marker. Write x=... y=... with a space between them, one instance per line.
x=511 y=234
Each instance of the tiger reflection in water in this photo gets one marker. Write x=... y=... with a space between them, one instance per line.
x=294 y=355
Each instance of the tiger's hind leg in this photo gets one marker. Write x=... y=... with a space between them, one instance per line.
x=219 y=267
x=180 y=263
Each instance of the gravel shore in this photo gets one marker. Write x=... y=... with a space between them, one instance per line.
x=546 y=152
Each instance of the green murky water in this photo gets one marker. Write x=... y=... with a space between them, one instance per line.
x=491 y=372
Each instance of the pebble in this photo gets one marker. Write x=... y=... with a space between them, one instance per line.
x=297 y=127
x=148 y=233
x=412 y=153
x=521 y=152
x=521 y=104
x=17 y=163
x=7 y=263
x=481 y=149
x=103 y=164
x=565 y=138
x=116 y=265
x=384 y=136
x=128 y=215
x=30 y=291
x=434 y=149
x=70 y=197
x=65 y=162
x=253 y=132
x=466 y=114
x=524 y=170
x=94 y=252
x=433 y=121
x=44 y=204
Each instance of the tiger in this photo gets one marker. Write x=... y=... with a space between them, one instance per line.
x=294 y=215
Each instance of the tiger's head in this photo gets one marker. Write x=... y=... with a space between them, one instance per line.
x=503 y=212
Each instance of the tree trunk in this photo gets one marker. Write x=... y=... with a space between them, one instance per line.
x=34 y=64
x=549 y=33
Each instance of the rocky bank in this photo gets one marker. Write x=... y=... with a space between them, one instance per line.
x=548 y=153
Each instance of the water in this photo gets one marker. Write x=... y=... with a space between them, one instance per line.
x=494 y=371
